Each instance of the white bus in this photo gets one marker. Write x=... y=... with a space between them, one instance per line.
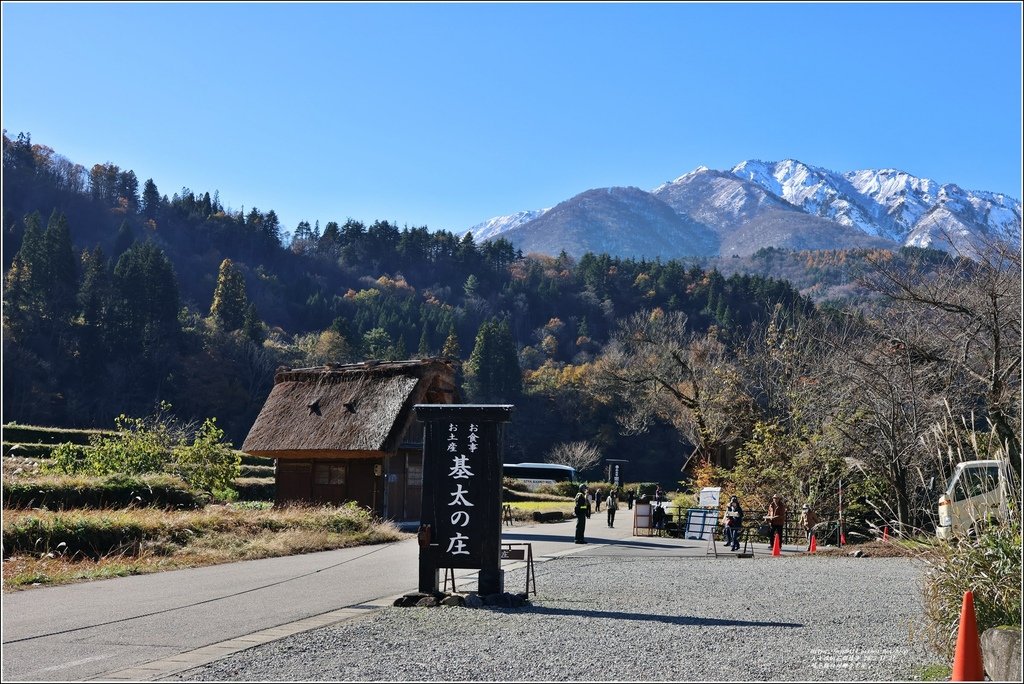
x=533 y=475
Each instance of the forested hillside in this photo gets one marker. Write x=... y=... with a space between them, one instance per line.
x=119 y=296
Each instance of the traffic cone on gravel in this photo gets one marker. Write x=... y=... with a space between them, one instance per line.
x=814 y=545
x=967 y=664
x=776 y=551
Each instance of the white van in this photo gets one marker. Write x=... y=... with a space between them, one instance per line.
x=976 y=494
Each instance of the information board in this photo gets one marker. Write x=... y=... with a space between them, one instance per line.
x=710 y=497
x=701 y=523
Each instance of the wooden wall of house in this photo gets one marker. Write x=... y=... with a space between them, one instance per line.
x=405 y=484
x=333 y=481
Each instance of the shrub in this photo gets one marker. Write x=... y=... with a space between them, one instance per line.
x=67 y=458
x=990 y=567
x=208 y=463
x=514 y=484
x=155 y=445
x=568 y=489
x=136 y=448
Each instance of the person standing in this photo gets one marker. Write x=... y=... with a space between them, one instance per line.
x=808 y=518
x=659 y=495
x=613 y=505
x=776 y=517
x=629 y=499
x=597 y=500
x=733 y=523
x=582 y=510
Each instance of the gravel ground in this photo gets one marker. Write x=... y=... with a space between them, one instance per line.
x=632 y=619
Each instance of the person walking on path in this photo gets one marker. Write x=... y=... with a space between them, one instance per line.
x=629 y=499
x=582 y=509
x=808 y=518
x=598 y=495
x=733 y=523
x=776 y=517
x=613 y=505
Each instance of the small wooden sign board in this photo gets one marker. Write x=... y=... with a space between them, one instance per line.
x=513 y=554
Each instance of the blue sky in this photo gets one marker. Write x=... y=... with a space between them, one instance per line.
x=448 y=114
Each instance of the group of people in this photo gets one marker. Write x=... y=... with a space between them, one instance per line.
x=732 y=521
x=775 y=518
x=598 y=497
x=582 y=507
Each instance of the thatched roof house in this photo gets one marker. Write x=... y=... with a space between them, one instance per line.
x=348 y=432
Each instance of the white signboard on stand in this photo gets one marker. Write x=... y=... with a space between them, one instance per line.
x=710 y=497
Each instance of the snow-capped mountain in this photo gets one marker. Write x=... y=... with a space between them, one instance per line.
x=501 y=224
x=780 y=204
x=891 y=204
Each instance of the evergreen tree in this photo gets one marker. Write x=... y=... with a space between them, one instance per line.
x=58 y=270
x=145 y=303
x=252 y=326
x=229 y=299
x=400 y=351
x=19 y=304
x=150 y=199
x=128 y=189
x=94 y=300
x=125 y=239
x=377 y=344
x=492 y=372
x=424 y=349
x=451 y=349
x=94 y=293
x=29 y=281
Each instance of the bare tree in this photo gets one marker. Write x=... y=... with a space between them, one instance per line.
x=579 y=455
x=972 y=311
x=662 y=370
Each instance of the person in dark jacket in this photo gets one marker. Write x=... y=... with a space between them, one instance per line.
x=613 y=505
x=776 y=517
x=582 y=510
x=733 y=523
x=629 y=499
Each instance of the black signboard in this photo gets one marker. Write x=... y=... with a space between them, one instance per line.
x=617 y=471
x=460 y=525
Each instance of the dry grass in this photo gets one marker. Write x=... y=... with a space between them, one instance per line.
x=48 y=548
x=875 y=549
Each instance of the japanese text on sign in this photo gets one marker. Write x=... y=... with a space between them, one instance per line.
x=461 y=469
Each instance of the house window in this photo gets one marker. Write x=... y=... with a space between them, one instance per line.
x=329 y=474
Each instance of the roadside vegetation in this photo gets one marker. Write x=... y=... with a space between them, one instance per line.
x=152 y=495
x=58 y=547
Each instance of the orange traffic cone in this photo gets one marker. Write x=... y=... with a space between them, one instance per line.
x=967 y=664
x=776 y=551
x=814 y=545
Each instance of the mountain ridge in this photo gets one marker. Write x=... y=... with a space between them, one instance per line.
x=783 y=204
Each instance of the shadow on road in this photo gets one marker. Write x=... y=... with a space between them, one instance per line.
x=667 y=619
x=630 y=543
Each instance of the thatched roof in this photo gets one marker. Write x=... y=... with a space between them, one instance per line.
x=362 y=407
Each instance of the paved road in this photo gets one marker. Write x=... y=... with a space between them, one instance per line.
x=95 y=629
